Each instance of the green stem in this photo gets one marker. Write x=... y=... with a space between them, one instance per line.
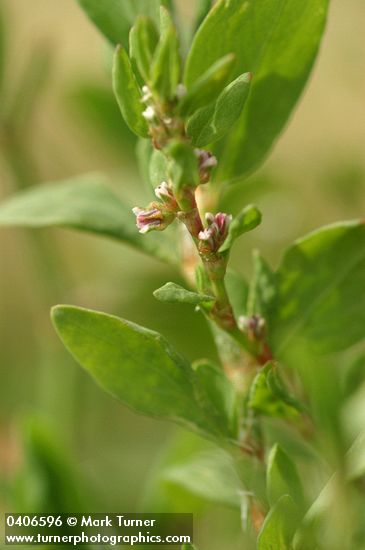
x=220 y=292
x=215 y=268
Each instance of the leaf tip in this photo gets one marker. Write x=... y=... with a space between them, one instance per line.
x=118 y=50
x=58 y=312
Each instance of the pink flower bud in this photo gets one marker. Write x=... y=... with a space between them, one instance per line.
x=165 y=194
x=216 y=231
x=207 y=161
x=254 y=327
x=208 y=236
x=155 y=217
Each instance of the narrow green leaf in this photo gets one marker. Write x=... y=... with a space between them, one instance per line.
x=247 y=220
x=87 y=204
x=202 y=10
x=166 y=65
x=144 y=151
x=212 y=123
x=189 y=547
x=166 y=20
x=319 y=518
x=264 y=400
x=321 y=299
x=158 y=168
x=208 y=86
x=143 y=40
x=202 y=280
x=171 y=292
x=48 y=469
x=283 y=478
x=183 y=165
x=135 y=365
x=278 y=41
x=114 y=18
x=210 y=475
x=279 y=391
x=128 y=94
x=279 y=526
x=262 y=291
x=317 y=528
x=352 y=417
x=217 y=397
x=230 y=353
x=353 y=375
x=237 y=289
x=93 y=105
x=32 y=83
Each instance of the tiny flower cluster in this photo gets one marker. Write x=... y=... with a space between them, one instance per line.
x=157 y=215
x=165 y=194
x=254 y=326
x=214 y=235
x=159 y=115
x=149 y=113
x=207 y=161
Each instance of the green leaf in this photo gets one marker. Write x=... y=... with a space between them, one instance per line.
x=211 y=123
x=318 y=522
x=280 y=392
x=279 y=525
x=85 y=203
x=237 y=290
x=352 y=418
x=264 y=400
x=247 y=220
x=188 y=547
x=278 y=42
x=134 y=364
x=114 y=18
x=355 y=457
x=183 y=166
x=171 y=292
x=283 y=478
x=202 y=280
x=128 y=94
x=217 y=397
x=202 y=10
x=353 y=375
x=317 y=526
x=166 y=65
x=32 y=83
x=262 y=291
x=93 y=105
x=46 y=481
x=143 y=40
x=321 y=299
x=210 y=475
x=158 y=168
x=144 y=151
x=208 y=86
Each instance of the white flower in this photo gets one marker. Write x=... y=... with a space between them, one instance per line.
x=149 y=114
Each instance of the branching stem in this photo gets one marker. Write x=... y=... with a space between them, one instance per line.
x=215 y=265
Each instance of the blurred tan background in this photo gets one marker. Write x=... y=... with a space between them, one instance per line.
x=316 y=175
